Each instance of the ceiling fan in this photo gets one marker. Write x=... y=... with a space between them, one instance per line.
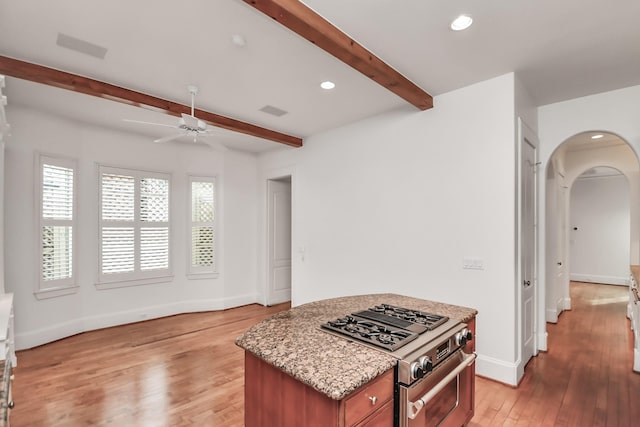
x=188 y=125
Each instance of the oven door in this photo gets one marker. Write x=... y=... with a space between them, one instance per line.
x=443 y=398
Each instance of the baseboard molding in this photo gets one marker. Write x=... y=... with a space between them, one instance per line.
x=58 y=331
x=636 y=360
x=566 y=303
x=551 y=315
x=542 y=341
x=497 y=370
x=605 y=280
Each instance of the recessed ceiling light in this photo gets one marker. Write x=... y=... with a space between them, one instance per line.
x=327 y=85
x=597 y=136
x=462 y=22
x=238 y=40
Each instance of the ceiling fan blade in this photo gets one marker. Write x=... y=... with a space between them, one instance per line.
x=168 y=138
x=150 y=123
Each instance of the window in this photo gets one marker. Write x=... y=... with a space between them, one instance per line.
x=134 y=226
x=202 y=227
x=57 y=220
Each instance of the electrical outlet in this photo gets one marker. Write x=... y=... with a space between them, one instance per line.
x=472 y=263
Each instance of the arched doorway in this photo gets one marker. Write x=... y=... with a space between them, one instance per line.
x=585 y=151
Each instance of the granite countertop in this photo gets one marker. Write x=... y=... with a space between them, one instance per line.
x=293 y=342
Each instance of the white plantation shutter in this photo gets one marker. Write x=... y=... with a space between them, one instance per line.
x=57 y=192
x=154 y=209
x=202 y=233
x=154 y=248
x=57 y=252
x=57 y=220
x=118 y=197
x=134 y=239
x=117 y=231
x=118 y=250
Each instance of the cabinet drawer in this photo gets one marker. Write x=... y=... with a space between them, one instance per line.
x=370 y=398
x=383 y=417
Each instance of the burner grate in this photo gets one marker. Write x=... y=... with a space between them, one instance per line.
x=413 y=320
x=385 y=326
x=371 y=332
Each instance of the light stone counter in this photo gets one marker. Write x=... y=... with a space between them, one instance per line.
x=293 y=342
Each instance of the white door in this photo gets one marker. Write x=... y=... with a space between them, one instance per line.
x=528 y=248
x=562 y=283
x=279 y=241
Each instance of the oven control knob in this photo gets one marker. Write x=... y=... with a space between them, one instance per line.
x=425 y=363
x=463 y=336
x=416 y=370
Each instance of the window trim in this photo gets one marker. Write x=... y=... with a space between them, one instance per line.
x=202 y=272
x=137 y=277
x=59 y=287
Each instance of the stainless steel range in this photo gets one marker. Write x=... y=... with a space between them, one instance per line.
x=433 y=385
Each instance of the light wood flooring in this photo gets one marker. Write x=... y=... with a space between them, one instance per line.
x=584 y=380
x=186 y=371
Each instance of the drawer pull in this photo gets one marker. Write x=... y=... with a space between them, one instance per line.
x=373 y=400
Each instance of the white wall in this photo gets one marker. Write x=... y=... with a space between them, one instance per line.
x=600 y=230
x=616 y=112
x=393 y=203
x=40 y=321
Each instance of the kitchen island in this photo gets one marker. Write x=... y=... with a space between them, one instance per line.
x=297 y=374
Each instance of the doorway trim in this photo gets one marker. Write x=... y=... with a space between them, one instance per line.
x=526 y=135
x=263 y=279
x=547 y=289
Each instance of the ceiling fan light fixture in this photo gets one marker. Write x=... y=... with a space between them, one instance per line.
x=327 y=85
x=462 y=22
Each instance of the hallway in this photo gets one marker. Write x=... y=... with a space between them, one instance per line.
x=585 y=379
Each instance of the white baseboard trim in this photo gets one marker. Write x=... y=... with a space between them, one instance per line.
x=566 y=303
x=542 y=341
x=551 y=315
x=58 y=331
x=498 y=370
x=636 y=360
x=606 y=280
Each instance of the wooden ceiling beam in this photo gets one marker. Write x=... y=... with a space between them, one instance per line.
x=303 y=21
x=60 y=79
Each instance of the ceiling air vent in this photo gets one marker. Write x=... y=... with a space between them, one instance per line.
x=274 y=111
x=81 y=46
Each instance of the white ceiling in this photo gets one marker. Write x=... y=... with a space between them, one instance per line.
x=560 y=49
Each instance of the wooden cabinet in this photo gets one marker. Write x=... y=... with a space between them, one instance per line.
x=383 y=417
x=633 y=313
x=368 y=399
x=273 y=398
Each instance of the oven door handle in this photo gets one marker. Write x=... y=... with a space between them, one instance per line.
x=414 y=408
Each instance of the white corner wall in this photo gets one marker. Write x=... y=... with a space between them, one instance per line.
x=41 y=321
x=599 y=230
x=616 y=112
x=393 y=203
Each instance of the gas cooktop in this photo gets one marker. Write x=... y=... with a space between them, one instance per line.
x=385 y=326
